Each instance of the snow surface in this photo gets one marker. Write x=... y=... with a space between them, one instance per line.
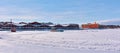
x=76 y=41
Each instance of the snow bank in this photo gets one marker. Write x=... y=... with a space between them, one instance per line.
x=85 y=40
x=3 y=43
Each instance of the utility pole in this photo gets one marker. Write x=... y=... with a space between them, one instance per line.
x=11 y=21
x=13 y=29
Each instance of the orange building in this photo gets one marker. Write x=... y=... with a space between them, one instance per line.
x=90 y=26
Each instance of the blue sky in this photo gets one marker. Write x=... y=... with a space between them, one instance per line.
x=59 y=11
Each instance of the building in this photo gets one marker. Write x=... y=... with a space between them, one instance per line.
x=8 y=26
x=44 y=27
x=72 y=27
x=108 y=26
x=22 y=23
x=28 y=26
x=58 y=26
x=37 y=26
x=90 y=26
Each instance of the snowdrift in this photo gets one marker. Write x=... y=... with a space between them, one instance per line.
x=107 y=41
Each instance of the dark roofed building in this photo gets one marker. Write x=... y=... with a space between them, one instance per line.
x=108 y=26
x=27 y=26
x=73 y=26
x=58 y=26
x=1 y=25
x=35 y=23
x=22 y=23
x=36 y=26
x=8 y=26
x=44 y=27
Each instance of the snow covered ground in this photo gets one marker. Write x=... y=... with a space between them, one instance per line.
x=76 y=41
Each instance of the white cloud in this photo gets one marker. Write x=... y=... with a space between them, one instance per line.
x=110 y=22
x=27 y=14
x=8 y=12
